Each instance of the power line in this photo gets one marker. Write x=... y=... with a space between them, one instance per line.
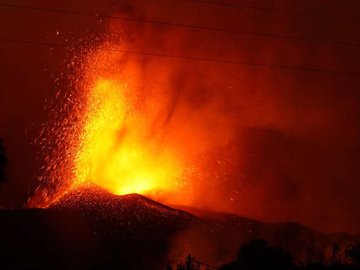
x=194 y=58
x=295 y=12
x=209 y=266
x=199 y=27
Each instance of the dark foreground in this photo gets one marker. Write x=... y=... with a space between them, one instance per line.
x=92 y=229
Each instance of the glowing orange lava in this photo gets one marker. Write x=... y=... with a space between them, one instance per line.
x=127 y=125
x=116 y=150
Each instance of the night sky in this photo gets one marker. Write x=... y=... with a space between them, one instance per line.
x=294 y=149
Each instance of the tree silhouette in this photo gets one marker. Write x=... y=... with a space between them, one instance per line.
x=257 y=254
x=353 y=252
x=3 y=161
x=190 y=264
x=334 y=253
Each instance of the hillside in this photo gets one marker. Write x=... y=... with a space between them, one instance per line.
x=89 y=228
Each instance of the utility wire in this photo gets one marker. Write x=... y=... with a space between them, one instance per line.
x=294 y=12
x=171 y=24
x=209 y=266
x=194 y=58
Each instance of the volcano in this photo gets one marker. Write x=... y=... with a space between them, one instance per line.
x=90 y=228
x=128 y=214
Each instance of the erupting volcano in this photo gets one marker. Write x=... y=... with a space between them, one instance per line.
x=127 y=133
x=126 y=141
x=118 y=149
x=122 y=142
x=140 y=134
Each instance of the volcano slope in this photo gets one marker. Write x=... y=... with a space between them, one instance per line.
x=89 y=228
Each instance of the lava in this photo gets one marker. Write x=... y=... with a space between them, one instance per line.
x=123 y=142
x=129 y=126
x=116 y=150
x=113 y=132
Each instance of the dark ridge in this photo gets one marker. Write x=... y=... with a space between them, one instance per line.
x=90 y=228
x=126 y=212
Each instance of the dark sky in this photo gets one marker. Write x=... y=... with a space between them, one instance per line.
x=295 y=147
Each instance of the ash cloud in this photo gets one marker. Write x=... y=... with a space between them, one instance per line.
x=281 y=144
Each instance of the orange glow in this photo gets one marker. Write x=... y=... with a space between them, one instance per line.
x=122 y=143
x=128 y=127
x=116 y=152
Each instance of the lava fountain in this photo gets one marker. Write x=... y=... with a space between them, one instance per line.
x=123 y=145
x=128 y=127
x=117 y=152
x=113 y=132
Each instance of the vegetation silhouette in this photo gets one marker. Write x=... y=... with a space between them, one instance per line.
x=189 y=264
x=353 y=252
x=259 y=255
